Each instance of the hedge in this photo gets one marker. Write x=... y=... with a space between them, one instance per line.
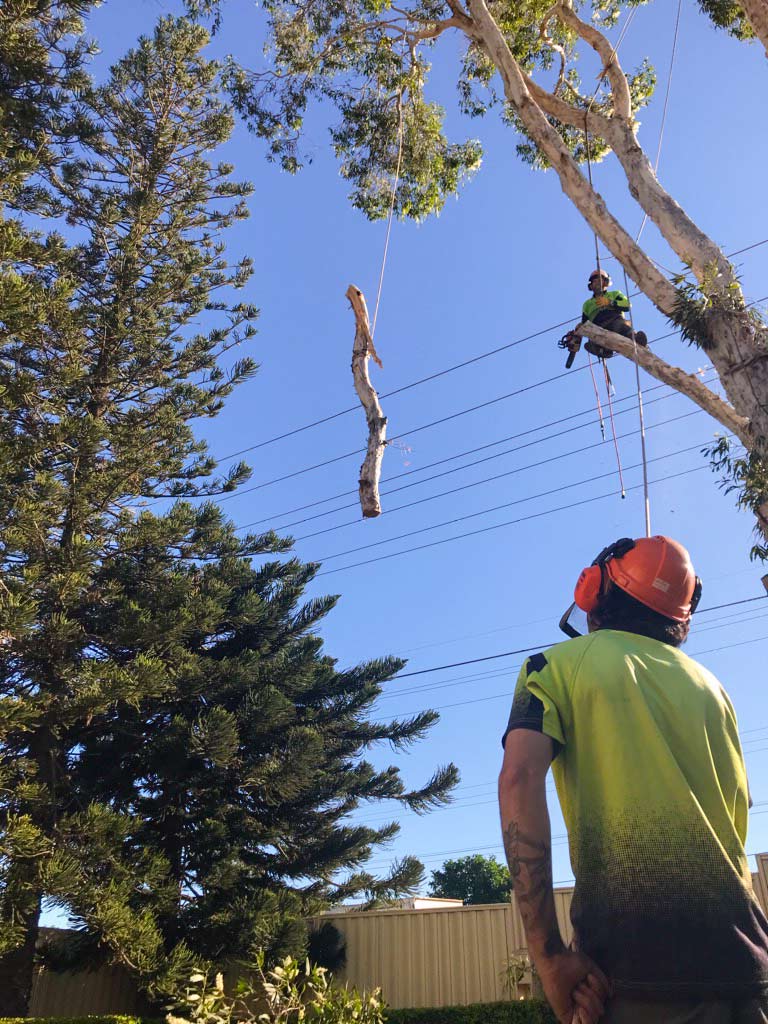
x=523 y=1011
x=120 y=1018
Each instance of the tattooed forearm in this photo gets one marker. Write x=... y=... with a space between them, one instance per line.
x=530 y=867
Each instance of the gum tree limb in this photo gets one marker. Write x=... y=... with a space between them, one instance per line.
x=362 y=350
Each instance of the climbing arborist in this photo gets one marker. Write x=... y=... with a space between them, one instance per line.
x=644 y=748
x=606 y=309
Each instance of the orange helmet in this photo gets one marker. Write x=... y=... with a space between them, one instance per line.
x=656 y=571
x=599 y=272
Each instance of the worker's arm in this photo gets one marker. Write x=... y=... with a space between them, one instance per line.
x=620 y=301
x=572 y=983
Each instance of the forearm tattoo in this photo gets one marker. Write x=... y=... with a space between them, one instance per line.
x=530 y=867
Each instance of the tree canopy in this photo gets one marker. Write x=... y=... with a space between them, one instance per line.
x=529 y=62
x=474 y=879
x=178 y=754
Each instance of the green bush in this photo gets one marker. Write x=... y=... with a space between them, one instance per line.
x=119 y=1018
x=524 y=1011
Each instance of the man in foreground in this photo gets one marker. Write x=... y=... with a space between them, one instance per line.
x=651 y=780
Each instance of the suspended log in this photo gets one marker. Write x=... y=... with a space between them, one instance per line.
x=362 y=350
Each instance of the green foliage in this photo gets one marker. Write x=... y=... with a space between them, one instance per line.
x=292 y=993
x=746 y=475
x=513 y=972
x=526 y=1011
x=369 y=60
x=474 y=879
x=178 y=756
x=728 y=14
x=698 y=306
x=327 y=947
x=118 y=1018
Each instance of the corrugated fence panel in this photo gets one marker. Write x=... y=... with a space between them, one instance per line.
x=108 y=990
x=760 y=881
x=440 y=957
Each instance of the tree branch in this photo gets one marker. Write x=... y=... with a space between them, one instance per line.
x=591 y=205
x=685 y=383
x=622 y=99
x=757 y=12
x=370 y=471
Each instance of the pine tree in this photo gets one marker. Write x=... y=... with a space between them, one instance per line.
x=177 y=754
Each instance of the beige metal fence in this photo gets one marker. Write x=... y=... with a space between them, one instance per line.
x=426 y=957
x=442 y=957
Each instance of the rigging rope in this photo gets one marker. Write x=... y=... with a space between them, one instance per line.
x=391 y=209
x=600 y=417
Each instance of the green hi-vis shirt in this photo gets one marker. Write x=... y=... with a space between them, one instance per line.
x=592 y=306
x=652 y=785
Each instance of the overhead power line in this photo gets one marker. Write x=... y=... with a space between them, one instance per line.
x=439 y=373
x=671 y=393
x=543 y=646
x=500 y=526
x=500 y=476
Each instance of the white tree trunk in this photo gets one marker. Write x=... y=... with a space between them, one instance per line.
x=686 y=383
x=362 y=350
x=757 y=12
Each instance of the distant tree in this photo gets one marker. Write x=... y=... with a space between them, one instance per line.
x=371 y=61
x=178 y=757
x=474 y=879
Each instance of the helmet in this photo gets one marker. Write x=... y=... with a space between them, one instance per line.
x=656 y=571
x=599 y=272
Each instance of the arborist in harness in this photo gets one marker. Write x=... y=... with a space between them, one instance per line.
x=606 y=309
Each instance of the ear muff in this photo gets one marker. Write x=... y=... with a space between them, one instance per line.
x=588 y=586
x=696 y=596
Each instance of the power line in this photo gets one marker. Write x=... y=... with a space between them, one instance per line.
x=435 y=376
x=499 y=526
x=506 y=694
x=507 y=670
x=491 y=479
x=410 y=433
x=459 y=455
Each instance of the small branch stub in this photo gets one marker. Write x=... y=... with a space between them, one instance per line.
x=363 y=348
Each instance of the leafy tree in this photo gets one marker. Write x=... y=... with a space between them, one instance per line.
x=474 y=879
x=371 y=60
x=178 y=757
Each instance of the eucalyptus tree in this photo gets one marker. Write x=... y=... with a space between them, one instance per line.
x=371 y=61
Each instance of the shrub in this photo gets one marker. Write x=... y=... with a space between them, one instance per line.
x=119 y=1018
x=524 y=1011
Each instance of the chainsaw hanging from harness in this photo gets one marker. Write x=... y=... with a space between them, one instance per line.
x=606 y=309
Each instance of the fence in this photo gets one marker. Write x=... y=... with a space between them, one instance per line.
x=425 y=957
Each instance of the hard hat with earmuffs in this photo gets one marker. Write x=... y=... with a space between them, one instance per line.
x=603 y=274
x=656 y=571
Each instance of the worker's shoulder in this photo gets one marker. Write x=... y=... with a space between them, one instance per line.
x=565 y=654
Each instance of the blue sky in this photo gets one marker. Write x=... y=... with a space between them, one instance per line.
x=509 y=258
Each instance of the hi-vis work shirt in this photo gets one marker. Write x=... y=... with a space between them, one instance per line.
x=652 y=785
x=592 y=306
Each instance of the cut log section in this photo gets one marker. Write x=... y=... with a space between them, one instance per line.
x=362 y=350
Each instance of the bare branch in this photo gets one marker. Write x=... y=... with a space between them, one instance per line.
x=622 y=99
x=363 y=348
x=590 y=204
x=686 y=383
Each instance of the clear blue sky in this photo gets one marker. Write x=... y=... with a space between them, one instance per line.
x=511 y=257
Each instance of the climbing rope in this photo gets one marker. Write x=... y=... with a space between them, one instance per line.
x=609 y=390
x=390 y=218
x=640 y=410
x=600 y=416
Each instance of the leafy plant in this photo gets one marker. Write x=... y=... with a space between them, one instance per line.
x=291 y=993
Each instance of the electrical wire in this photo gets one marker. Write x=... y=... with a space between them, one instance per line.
x=439 y=373
x=499 y=526
x=671 y=393
x=494 y=508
